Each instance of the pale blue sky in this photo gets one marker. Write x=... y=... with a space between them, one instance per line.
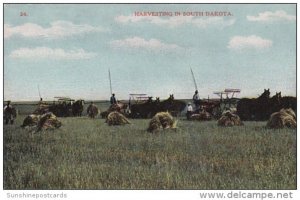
x=68 y=49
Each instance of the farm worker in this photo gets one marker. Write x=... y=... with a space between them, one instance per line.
x=196 y=100
x=189 y=111
x=129 y=103
x=41 y=101
x=7 y=105
x=89 y=108
x=8 y=113
x=113 y=99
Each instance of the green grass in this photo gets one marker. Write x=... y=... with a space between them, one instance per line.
x=88 y=154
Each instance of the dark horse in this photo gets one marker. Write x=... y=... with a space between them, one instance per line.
x=289 y=102
x=63 y=109
x=275 y=104
x=77 y=108
x=145 y=110
x=150 y=107
x=174 y=107
x=255 y=108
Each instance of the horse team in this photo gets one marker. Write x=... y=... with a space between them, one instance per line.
x=258 y=109
x=261 y=108
x=150 y=108
x=61 y=109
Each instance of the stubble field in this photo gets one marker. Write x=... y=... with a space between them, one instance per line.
x=89 y=154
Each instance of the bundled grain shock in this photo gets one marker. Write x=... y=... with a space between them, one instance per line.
x=116 y=118
x=229 y=119
x=283 y=118
x=119 y=107
x=48 y=121
x=31 y=120
x=42 y=122
x=162 y=120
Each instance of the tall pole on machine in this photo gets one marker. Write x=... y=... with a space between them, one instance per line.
x=195 y=84
x=110 y=81
x=39 y=91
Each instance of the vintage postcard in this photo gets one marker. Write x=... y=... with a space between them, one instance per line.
x=149 y=97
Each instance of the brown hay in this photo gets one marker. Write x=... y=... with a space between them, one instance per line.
x=202 y=116
x=48 y=121
x=42 y=122
x=31 y=120
x=162 y=120
x=283 y=118
x=116 y=118
x=229 y=119
x=114 y=107
x=291 y=113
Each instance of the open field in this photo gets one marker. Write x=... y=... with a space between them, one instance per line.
x=88 y=154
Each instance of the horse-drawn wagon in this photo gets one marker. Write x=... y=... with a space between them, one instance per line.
x=217 y=106
x=61 y=107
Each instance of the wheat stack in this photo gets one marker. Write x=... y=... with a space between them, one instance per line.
x=162 y=120
x=31 y=120
x=283 y=118
x=48 y=121
x=116 y=118
x=229 y=119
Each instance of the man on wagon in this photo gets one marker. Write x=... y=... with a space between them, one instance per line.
x=113 y=99
x=196 y=100
x=189 y=111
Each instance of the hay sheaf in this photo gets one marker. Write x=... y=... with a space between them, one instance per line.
x=93 y=111
x=112 y=108
x=48 y=121
x=229 y=119
x=202 y=116
x=42 y=122
x=162 y=120
x=283 y=118
x=119 y=107
x=31 y=120
x=116 y=118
